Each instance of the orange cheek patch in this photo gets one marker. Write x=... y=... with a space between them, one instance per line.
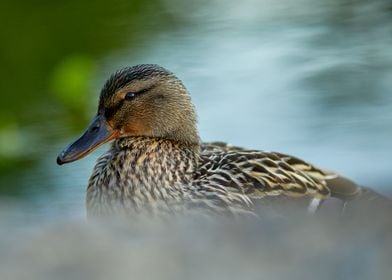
x=111 y=124
x=137 y=129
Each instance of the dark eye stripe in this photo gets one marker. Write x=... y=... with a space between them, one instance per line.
x=131 y=95
x=110 y=111
x=144 y=90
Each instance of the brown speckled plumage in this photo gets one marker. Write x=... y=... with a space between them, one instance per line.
x=157 y=164
x=141 y=174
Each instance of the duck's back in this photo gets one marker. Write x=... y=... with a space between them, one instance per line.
x=280 y=182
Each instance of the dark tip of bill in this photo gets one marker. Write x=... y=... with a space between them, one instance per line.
x=60 y=159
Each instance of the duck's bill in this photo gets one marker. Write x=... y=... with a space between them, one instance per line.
x=98 y=133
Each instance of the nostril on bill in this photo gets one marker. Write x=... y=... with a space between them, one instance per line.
x=95 y=128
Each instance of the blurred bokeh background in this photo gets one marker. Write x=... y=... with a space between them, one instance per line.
x=307 y=78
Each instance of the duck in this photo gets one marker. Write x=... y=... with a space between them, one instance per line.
x=157 y=163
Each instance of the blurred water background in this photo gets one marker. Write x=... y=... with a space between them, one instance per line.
x=307 y=78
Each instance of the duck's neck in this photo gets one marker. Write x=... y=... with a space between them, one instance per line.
x=143 y=172
x=153 y=161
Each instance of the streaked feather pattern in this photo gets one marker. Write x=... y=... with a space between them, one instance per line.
x=160 y=177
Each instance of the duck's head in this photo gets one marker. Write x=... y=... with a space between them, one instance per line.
x=143 y=100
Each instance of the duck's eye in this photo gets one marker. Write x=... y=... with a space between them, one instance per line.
x=130 y=95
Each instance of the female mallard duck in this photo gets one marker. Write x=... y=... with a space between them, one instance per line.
x=158 y=164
